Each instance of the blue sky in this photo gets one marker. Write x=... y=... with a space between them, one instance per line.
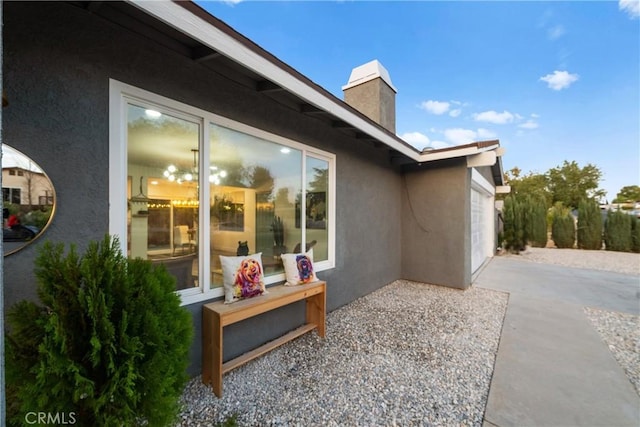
x=553 y=81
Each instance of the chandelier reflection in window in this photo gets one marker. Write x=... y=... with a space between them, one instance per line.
x=173 y=174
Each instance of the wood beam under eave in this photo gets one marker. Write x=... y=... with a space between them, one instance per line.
x=93 y=6
x=268 y=86
x=203 y=53
x=366 y=137
x=311 y=109
x=339 y=124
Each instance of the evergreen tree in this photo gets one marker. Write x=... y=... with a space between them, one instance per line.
x=513 y=225
x=635 y=235
x=538 y=223
x=562 y=227
x=617 y=231
x=589 y=225
x=109 y=342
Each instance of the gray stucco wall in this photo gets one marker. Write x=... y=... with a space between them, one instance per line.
x=57 y=63
x=436 y=224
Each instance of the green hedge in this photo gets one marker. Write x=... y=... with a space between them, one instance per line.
x=589 y=225
x=617 y=231
x=537 y=222
x=514 y=230
x=635 y=235
x=562 y=227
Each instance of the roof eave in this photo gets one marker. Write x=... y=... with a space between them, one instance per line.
x=192 y=20
x=182 y=18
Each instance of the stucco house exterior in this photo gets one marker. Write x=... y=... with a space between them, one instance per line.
x=148 y=117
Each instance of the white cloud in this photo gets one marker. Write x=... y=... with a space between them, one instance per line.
x=560 y=79
x=455 y=113
x=494 y=117
x=631 y=7
x=485 y=134
x=555 y=32
x=421 y=141
x=460 y=136
x=439 y=144
x=416 y=139
x=435 y=107
x=529 y=124
x=534 y=115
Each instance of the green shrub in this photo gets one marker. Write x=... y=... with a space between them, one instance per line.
x=514 y=239
x=635 y=234
x=109 y=342
x=589 y=225
x=563 y=227
x=617 y=231
x=537 y=223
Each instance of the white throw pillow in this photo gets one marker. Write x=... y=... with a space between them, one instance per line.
x=298 y=268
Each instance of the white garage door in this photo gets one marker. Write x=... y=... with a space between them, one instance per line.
x=482 y=221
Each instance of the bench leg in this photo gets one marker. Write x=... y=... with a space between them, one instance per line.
x=316 y=311
x=212 y=351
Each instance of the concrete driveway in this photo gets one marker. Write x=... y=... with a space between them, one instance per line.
x=552 y=367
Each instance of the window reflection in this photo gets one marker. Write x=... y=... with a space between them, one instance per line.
x=255 y=201
x=316 y=219
x=28 y=200
x=163 y=191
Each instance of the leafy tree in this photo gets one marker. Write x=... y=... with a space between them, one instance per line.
x=531 y=184
x=617 y=231
x=570 y=183
x=562 y=227
x=109 y=341
x=589 y=225
x=630 y=193
x=262 y=180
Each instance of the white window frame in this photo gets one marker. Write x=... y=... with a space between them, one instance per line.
x=120 y=95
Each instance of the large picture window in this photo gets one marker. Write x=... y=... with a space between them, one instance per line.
x=272 y=194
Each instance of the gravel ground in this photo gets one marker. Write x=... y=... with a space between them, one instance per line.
x=408 y=354
x=620 y=262
x=621 y=332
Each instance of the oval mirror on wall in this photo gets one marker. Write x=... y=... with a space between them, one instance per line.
x=28 y=200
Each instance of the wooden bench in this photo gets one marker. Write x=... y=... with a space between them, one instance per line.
x=217 y=315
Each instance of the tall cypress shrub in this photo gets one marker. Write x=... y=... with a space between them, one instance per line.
x=635 y=234
x=589 y=225
x=562 y=227
x=617 y=231
x=513 y=224
x=538 y=223
x=107 y=346
x=525 y=207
